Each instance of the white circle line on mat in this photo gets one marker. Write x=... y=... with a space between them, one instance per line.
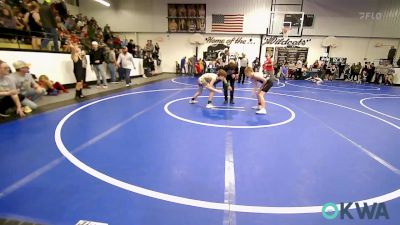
x=199 y=203
x=292 y=116
x=374 y=110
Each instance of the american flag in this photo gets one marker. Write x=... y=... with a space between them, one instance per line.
x=227 y=23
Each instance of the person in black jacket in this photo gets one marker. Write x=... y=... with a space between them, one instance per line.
x=232 y=73
x=391 y=54
x=96 y=61
x=131 y=47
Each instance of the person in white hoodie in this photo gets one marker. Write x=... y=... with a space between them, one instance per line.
x=125 y=60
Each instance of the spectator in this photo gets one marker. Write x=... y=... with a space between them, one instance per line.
x=84 y=67
x=346 y=72
x=191 y=65
x=47 y=18
x=136 y=51
x=151 y=65
x=156 y=54
x=353 y=72
x=61 y=9
x=125 y=59
x=157 y=49
x=391 y=54
x=96 y=61
x=218 y=64
x=19 y=18
x=382 y=72
x=26 y=85
x=111 y=62
x=117 y=41
x=35 y=25
x=9 y=95
x=183 y=66
x=211 y=68
x=107 y=29
x=80 y=24
x=149 y=48
x=268 y=67
x=91 y=29
x=389 y=76
x=99 y=35
x=299 y=66
x=146 y=65
x=358 y=68
x=225 y=57
x=333 y=71
x=315 y=65
x=256 y=65
x=51 y=87
x=70 y=23
x=7 y=20
x=201 y=66
x=284 y=71
x=131 y=47
x=107 y=33
x=371 y=72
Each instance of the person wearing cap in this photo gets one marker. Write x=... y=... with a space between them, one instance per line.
x=26 y=85
x=96 y=61
x=9 y=95
x=125 y=59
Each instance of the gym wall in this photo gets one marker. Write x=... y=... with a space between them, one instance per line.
x=357 y=36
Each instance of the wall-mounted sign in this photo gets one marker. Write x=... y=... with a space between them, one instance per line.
x=338 y=60
x=230 y=41
x=214 y=51
x=285 y=41
x=291 y=54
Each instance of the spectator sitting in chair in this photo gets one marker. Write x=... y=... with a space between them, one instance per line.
x=26 y=85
